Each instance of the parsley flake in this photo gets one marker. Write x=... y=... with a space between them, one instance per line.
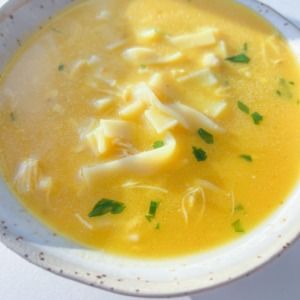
x=243 y=107
x=246 y=157
x=257 y=118
x=152 y=210
x=105 y=206
x=12 y=116
x=240 y=58
x=239 y=208
x=238 y=227
x=207 y=137
x=200 y=154
x=61 y=67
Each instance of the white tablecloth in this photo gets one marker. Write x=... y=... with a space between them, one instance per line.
x=279 y=280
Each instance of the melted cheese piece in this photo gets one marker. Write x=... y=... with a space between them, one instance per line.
x=144 y=163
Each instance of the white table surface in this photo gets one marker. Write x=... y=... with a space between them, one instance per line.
x=278 y=280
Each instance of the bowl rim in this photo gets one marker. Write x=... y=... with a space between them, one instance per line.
x=10 y=241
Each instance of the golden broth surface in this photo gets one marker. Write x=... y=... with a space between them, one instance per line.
x=47 y=94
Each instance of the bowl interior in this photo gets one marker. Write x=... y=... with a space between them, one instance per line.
x=30 y=239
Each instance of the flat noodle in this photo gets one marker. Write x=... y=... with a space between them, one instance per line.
x=84 y=222
x=195 y=118
x=136 y=185
x=144 y=163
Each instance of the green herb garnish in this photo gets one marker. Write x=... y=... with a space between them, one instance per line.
x=157 y=227
x=238 y=227
x=12 y=116
x=245 y=47
x=240 y=58
x=243 y=107
x=246 y=157
x=61 y=67
x=206 y=136
x=152 y=210
x=158 y=144
x=257 y=118
x=200 y=154
x=285 y=88
x=106 y=206
x=239 y=207
x=142 y=66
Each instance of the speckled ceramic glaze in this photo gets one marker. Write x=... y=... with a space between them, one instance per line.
x=26 y=236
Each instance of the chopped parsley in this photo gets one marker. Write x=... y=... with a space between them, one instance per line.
x=158 y=144
x=285 y=88
x=206 y=136
x=257 y=118
x=106 y=206
x=157 y=227
x=12 y=116
x=239 y=208
x=246 y=157
x=245 y=47
x=238 y=227
x=240 y=59
x=243 y=107
x=200 y=154
x=152 y=210
x=142 y=66
x=61 y=67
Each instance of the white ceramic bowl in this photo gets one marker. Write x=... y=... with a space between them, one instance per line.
x=26 y=236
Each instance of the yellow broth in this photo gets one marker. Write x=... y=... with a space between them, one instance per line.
x=48 y=94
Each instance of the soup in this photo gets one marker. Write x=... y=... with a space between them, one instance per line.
x=152 y=128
